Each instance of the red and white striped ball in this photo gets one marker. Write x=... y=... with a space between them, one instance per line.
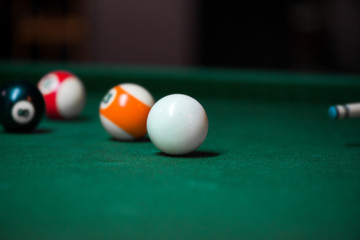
x=64 y=94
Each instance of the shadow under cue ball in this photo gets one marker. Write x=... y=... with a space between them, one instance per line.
x=124 y=110
x=22 y=107
x=177 y=124
x=64 y=95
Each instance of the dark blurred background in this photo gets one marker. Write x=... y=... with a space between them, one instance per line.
x=314 y=36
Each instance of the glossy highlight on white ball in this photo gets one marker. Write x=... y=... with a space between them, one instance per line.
x=177 y=124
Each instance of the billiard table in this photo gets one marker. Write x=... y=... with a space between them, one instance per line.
x=273 y=165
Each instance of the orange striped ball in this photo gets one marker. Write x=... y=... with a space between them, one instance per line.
x=124 y=110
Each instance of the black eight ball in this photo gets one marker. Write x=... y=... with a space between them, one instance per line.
x=21 y=107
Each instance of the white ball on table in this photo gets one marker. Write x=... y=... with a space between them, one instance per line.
x=177 y=124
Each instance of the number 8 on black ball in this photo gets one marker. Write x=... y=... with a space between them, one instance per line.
x=22 y=107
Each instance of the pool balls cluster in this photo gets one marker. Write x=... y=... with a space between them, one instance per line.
x=59 y=94
x=177 y=124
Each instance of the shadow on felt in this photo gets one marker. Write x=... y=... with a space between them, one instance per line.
x=35 y=131
x=141 y=140
x=196 y=154
x=80 y=119
x=352 y=145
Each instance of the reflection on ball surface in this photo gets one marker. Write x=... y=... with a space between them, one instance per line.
x=22 y=107
x=124 y=110
x=64 y=94
x=177 y=124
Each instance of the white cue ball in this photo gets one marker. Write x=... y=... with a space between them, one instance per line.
x=177 y=124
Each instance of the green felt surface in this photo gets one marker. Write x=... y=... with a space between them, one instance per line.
x=267 y=170
x=238 y=84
